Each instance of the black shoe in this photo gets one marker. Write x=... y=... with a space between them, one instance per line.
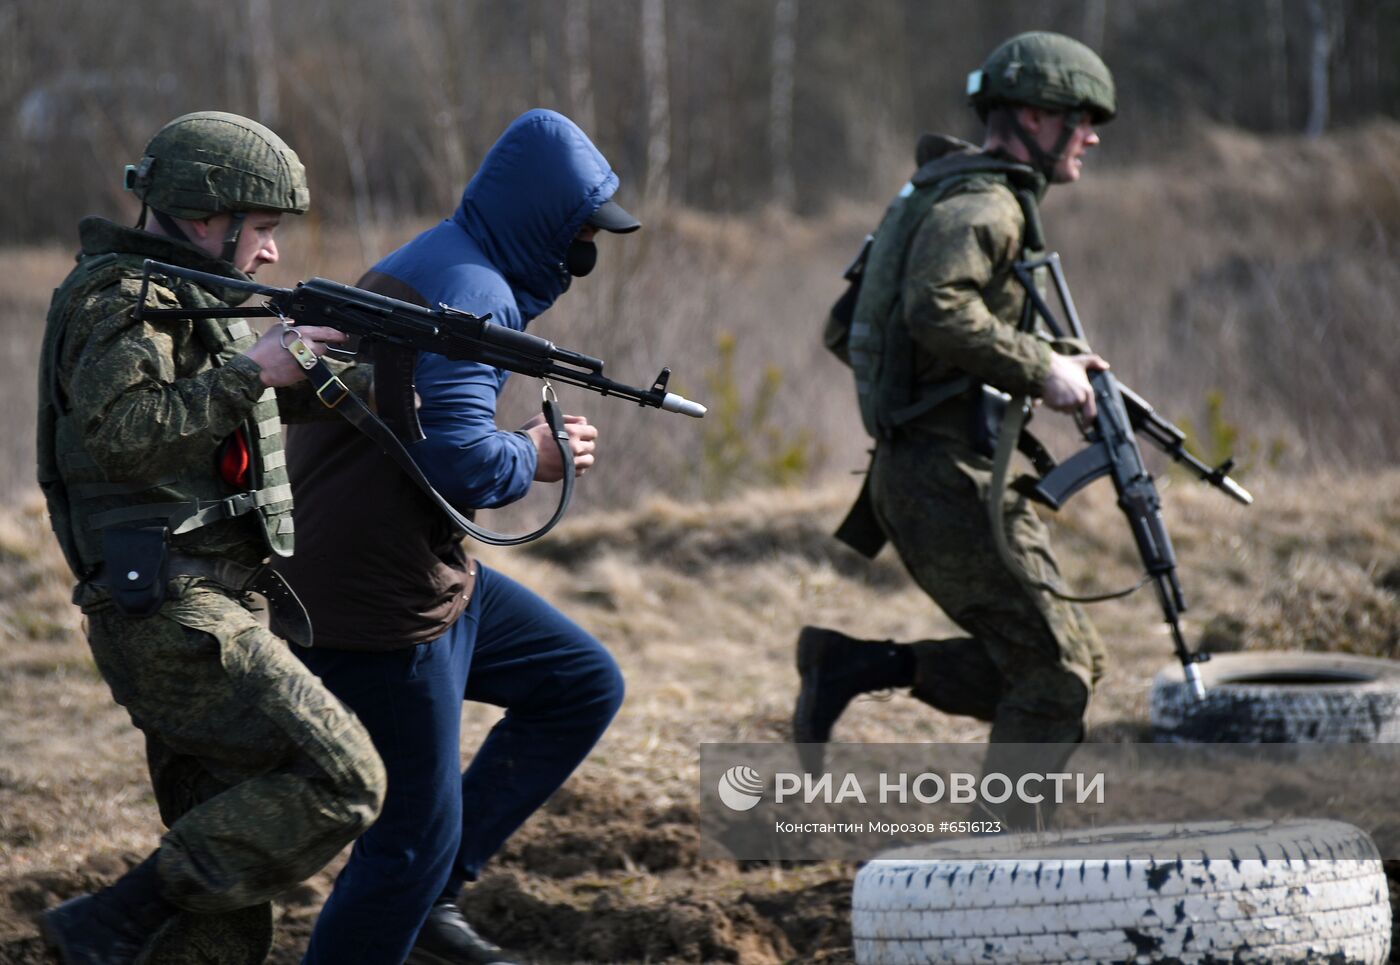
x=835 y=669
x=111 y=926
x=448 y=939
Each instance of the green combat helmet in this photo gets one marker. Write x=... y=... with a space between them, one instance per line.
x=208 y=162
x=1046 y=70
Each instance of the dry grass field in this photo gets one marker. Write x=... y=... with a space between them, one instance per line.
x=1261 y=269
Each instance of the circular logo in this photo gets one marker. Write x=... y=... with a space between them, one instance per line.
x=740 y=787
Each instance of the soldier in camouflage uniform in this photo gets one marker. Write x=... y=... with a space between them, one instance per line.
x=160 y=457
x=938 y=300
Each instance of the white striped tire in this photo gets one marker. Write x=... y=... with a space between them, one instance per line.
x=1285 y=697
x=1297 y=891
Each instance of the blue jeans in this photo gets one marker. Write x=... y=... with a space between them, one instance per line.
x=560 y=689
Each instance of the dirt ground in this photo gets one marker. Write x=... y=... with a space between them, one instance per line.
x=701 y=604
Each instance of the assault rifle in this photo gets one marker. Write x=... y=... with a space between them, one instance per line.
x=445 y=331
x=1113 y=451
x=398 y=330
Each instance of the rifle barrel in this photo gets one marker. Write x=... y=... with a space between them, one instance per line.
x=1172 y=441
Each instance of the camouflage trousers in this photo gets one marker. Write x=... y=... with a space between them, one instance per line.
x=261 y=775
x=1032 y=659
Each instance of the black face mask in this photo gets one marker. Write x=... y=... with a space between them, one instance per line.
x=581 y=257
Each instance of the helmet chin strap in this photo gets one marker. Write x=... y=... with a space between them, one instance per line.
x=1046 y=161
x=168 y=225
x=235 y=228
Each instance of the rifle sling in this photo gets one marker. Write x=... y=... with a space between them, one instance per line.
x=1011 y=425
x=333 y=393
x=934 y=397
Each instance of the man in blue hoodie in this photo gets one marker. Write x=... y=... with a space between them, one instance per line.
x=407 y=626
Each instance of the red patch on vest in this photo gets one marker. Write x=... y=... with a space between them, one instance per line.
x=234 y=460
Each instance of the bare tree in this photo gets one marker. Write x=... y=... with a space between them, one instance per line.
x=1368 y=34
x=1095 y=23
x=782 y=92
x=262 y=42
x=392 y=104
x=656 y=69
x=540 y=63
x=579 y=53
x=1277 y=37
x=439 y=81
x=1321 y=55
x=337 y=109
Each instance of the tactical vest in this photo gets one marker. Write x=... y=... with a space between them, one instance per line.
x=83 y=501
x=879 y=347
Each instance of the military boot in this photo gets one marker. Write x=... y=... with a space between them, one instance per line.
x=111 y=926
x=835 y=669
x=447 y=938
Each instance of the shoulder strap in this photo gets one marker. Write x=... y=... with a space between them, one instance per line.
x=929 y=175
x=896 y=373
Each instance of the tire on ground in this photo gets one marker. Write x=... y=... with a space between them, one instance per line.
x=1309 y=891
x=1285 y=697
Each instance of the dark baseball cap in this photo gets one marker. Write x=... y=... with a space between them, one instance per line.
x=611 y=216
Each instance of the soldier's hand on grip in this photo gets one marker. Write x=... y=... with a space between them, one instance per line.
x=280 y=367
x=1067 y=386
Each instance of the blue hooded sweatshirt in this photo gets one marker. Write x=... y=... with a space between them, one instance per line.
x=501 y=252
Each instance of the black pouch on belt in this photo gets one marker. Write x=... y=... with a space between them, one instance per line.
x=137 y=562
x=988 y=409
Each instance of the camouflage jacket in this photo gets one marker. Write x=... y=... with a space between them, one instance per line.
x=961 y=302
x=133 y=413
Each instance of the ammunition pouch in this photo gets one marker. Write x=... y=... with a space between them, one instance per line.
x=140 y=595
x=987 y=410
x=137 y=564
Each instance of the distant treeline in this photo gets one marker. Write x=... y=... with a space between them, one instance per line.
x=715 y=104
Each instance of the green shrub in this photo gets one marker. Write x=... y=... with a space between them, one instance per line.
x=1221 y=440
x=742 y=442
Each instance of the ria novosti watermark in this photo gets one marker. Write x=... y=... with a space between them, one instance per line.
x=741 y=788
x=854 y=801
